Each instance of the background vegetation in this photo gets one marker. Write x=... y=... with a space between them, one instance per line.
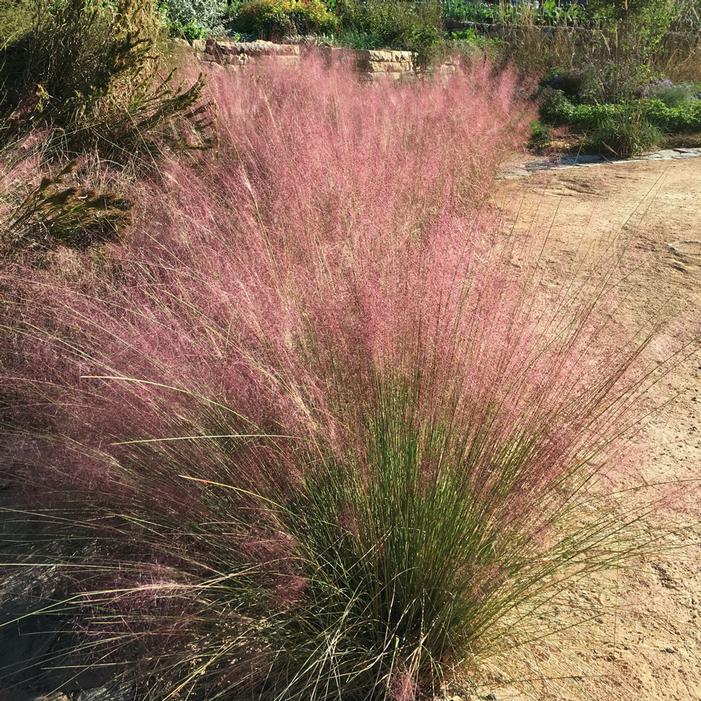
x=614 y=50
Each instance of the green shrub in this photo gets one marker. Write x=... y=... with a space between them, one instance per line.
x=467 y=43
x=193 y=19
x=590 y=117
x=548 y=12
x=557 y=109
x=279 y=18
x=673 y=94
x=190 y=31
x=540 y=136
x=623 y=133
x=355 y=39
x=478 y=12
x=685 y=117
x=91 y=72
x=393 y=24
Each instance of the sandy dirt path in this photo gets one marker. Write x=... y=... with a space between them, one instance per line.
x=644 y=642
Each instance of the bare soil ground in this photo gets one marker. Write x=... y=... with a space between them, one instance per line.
x=643 y=642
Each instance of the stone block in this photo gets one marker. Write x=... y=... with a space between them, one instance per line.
x=389 y=67
x=381 y=56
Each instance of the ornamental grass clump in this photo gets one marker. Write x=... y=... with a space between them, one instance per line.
x=313 y=436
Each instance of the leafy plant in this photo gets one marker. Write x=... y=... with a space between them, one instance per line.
x=194 y=19
x=623 y=133
x=478 y=12
x=541 y=134
x=547 y=12
x=556 y=108
x=191 y=31
x=469 y=43
x=684 y=117
x=644 y=119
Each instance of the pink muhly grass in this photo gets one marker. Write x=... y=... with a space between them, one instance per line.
x=404 y=687
x=313 y=405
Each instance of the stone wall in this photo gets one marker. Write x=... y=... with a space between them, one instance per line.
x=241 y=53
x=372 y=64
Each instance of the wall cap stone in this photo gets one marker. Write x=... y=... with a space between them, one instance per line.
x=250 y=48
x=372 y=63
